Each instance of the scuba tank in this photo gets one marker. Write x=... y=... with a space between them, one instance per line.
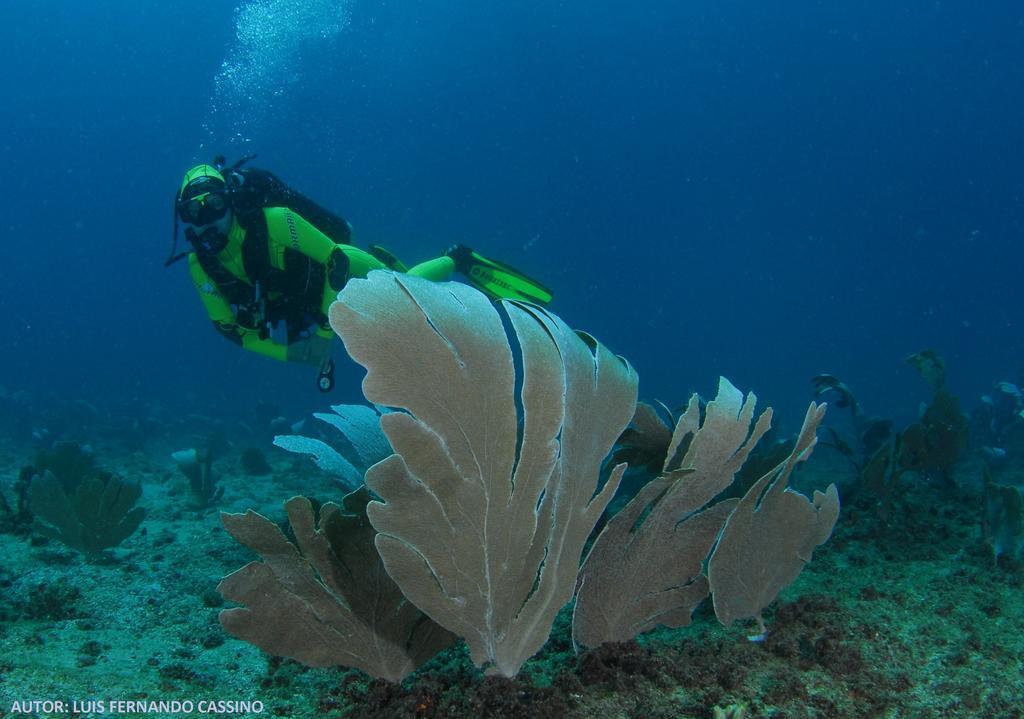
x=252 y=189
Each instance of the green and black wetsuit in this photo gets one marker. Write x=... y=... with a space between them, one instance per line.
x=282 y=269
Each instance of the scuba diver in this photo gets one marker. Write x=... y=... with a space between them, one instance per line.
x=262 y=255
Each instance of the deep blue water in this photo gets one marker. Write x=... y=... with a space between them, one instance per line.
x=761 y=190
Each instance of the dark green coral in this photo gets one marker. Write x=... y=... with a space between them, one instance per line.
x=99 y=514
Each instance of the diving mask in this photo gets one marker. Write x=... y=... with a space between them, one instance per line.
x=203 y=208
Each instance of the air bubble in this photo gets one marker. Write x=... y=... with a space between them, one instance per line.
x=263 y=64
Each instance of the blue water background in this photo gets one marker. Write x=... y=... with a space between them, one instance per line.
x=760 y=190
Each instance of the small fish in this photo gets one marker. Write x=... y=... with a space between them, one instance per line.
x=996 y=454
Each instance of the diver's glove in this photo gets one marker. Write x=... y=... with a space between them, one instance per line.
x=315 y=350
x=462 y=256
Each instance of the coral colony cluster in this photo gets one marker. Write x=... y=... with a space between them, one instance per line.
x=479 y=517
x=504 y=501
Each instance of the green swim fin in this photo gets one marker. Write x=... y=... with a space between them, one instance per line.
x=498 y=280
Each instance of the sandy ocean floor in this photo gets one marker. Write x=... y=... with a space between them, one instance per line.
x=908 y=620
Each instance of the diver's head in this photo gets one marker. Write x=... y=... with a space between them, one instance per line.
x=203 y=205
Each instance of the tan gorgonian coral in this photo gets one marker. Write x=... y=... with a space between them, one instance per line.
x=770 y=536
x=645 y=567
x=490 y=496
x=325 y=600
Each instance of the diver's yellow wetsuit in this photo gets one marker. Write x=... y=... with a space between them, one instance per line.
x=299 y=255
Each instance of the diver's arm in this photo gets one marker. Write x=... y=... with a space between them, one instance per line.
x=251 y=340
x=225 y=321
